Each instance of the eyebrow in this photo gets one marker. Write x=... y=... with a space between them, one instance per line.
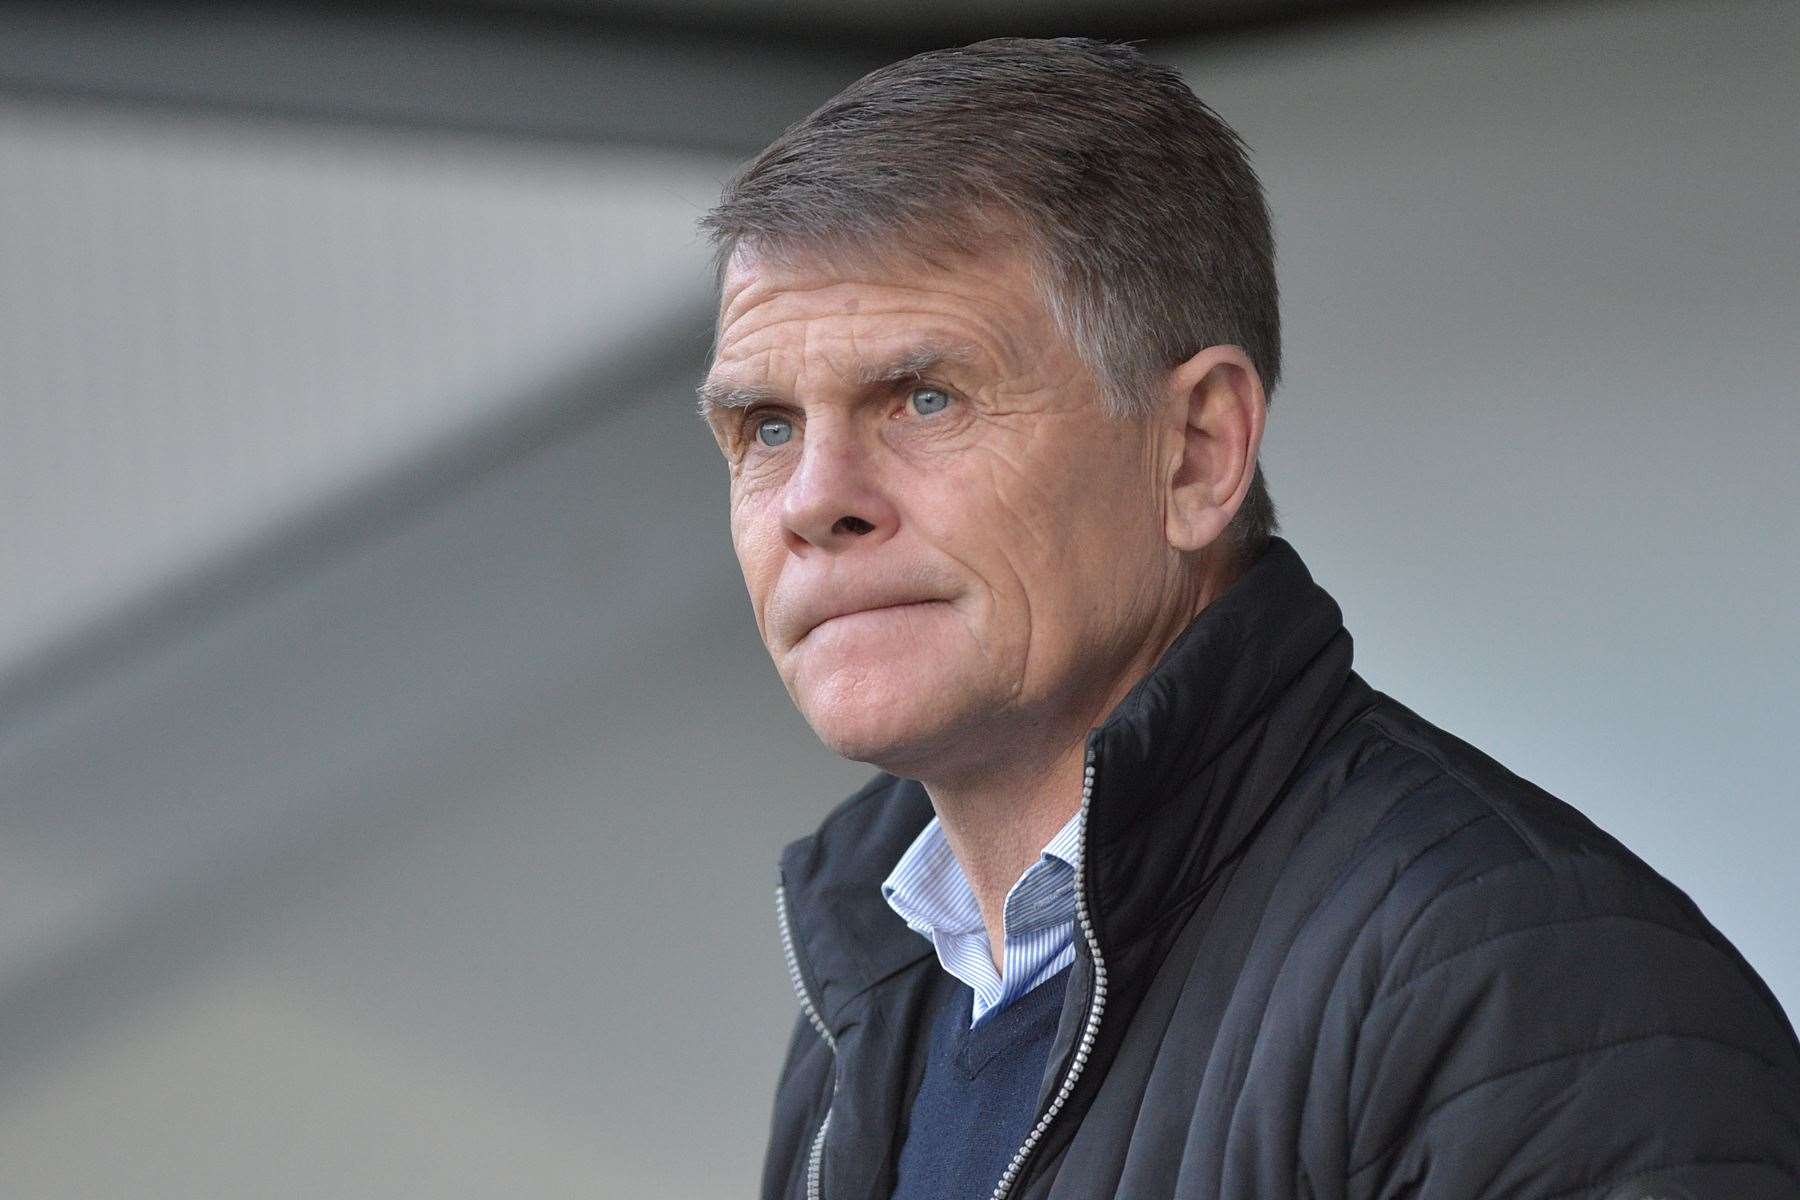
x=716 y=395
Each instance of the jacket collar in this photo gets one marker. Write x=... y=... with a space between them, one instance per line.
x=1197 y=754
x=1186 y=767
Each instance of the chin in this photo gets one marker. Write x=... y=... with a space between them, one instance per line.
x=900 y=723
x=887 y=735
x=897 y=690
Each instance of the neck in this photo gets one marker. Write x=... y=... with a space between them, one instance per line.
x=998 y=817
x=998 y=825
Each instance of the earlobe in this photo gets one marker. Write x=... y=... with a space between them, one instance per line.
x=1217 y=409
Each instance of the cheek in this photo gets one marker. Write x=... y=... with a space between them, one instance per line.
x=756 y=538
x=1040 y=523
x=1078 y=535
x=1108 y=490
x=987 y=513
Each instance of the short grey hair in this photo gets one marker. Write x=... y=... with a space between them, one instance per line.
x=1136 y=205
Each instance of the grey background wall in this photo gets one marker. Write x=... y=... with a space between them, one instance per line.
x=392 y=776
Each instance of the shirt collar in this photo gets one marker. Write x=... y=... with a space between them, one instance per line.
x=929 y=891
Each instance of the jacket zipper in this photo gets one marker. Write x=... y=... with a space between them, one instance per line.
x=816 y=1156
x=1090 y=1030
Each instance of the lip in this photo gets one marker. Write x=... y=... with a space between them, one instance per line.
x=867 y=608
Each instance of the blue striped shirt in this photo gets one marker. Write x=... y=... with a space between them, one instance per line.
x=929 y=891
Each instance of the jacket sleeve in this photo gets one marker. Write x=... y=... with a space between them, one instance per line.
x=1571 y=1027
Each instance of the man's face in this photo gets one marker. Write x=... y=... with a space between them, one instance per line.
x=950 y=549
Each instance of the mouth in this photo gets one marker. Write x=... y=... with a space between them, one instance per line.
x=876 y=611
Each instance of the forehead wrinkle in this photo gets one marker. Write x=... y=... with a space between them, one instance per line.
x=927 y=290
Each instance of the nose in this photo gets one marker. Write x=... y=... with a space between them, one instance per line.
x=832 y=502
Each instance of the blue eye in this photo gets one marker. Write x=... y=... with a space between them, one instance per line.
x=774 y=431
x=927 y=401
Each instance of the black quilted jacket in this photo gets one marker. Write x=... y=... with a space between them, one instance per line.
x=1324 y=950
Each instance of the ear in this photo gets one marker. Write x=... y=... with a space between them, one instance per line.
x=1216 y=409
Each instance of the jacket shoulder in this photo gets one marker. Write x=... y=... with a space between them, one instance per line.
x=1453 y=783
x=1490 y=949
x=1460 y=853
x=1434 y=816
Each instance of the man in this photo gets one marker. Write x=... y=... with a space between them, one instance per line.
x=1153 y=896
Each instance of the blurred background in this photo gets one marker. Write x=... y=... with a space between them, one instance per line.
x=391 y=778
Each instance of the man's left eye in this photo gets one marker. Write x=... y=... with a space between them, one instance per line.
x=927 y=401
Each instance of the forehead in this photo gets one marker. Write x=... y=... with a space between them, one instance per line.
x=790 y=314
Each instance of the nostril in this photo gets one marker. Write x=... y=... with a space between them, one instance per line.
x=851 y=525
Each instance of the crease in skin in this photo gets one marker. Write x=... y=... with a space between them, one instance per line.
x=990 y=335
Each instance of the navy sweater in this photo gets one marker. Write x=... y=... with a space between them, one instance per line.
x=979 y=1093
